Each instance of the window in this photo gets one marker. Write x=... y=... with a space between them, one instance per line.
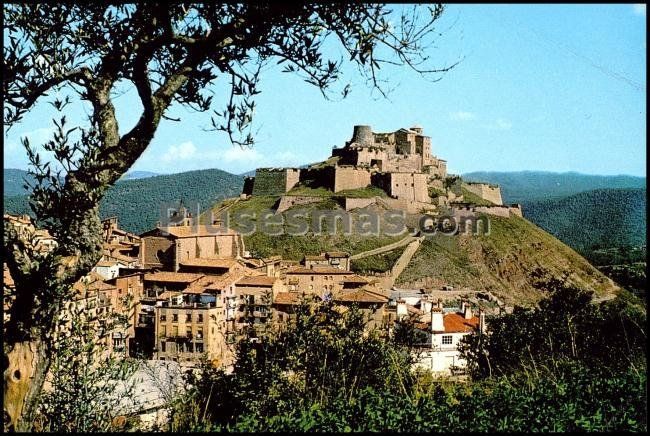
x=446 y=340
x=188 y=332
x=200 y=317
x=199 y=348
x=163 y=317
x=163 y=346
x=175 y=317
x=199 y=333
x=188 y=317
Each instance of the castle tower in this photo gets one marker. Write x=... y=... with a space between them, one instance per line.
x=363 y=135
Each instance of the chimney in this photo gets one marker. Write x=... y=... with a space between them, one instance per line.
x=467 y=311
x=426 y=305
x=439 y=305
x=462 y=306
x=402 y=311
x=437 y=323
x=481 y=321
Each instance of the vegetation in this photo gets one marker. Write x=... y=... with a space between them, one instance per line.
x=82 y=53
x=470 y=197
x=508 y=262
x=603 y=218
x=378 y=263
x=322 y=373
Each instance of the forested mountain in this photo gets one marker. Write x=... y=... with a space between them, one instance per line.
x=600 y=218
x=524 y=186
x=137 y=202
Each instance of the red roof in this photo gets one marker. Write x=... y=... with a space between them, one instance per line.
x=361 y=296
x=292 y=298
x=264 y=281
x=456 y=323
x=172 y=277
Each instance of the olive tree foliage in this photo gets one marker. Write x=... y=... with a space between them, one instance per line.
x=73 y=54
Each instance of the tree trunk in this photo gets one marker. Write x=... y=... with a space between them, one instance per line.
x=26 y=366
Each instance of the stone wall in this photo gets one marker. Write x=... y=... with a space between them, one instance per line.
x=273 y=181
x=249 y=183
x=502 y=211
x=350 y=178
x=358 y=203
x=287 y=201
x=157 y=252
x=486 y=191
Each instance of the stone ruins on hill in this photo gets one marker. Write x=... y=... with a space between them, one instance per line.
x=399 y=163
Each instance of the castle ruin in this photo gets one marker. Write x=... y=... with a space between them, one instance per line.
x=400 y=163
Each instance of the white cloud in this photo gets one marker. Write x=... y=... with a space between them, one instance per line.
x=503 y=124
x=639 y=9
x=499 y=124
x=462 y=116
x=183 y=151
x=236 y=153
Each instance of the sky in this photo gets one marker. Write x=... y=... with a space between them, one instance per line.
x=538 y=87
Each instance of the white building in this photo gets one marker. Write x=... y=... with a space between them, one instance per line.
x=445 y=331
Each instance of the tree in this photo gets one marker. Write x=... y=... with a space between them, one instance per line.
x=171 y=55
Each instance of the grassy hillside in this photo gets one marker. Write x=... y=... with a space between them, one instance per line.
x=508 y=262
x=595 y=219
x=137 y=202
x=523 y=186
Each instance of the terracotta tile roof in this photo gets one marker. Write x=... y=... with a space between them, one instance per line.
x=118 y=256
x=414 y=310
x=354 y=278
x=456 y=323
x=292 y=298
x=168 y=294
x=361 y=296
x=193 y=231
x=210 y=263
x=264 y=281
x=213 y=283
x=317 y=270
x=172 y=277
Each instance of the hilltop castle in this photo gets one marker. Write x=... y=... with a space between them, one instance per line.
x=400 y=163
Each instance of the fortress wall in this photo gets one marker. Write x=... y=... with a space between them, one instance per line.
x=350 y=178
x=515 y=209
x=401 y=163
x=249 y=183
x=409 y=186
x=366 y=156
x=485 y=191
x=319 y=177
x=287 y=201
x=292 y=178
x=502 y=211
x=357 y=203
x=269 y=181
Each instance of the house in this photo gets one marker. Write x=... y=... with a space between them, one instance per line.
x=254 y=297
x=167 y=247
x=445 y=330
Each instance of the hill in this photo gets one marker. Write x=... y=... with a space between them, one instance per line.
x=510 y=262
x=524 y=186
x=14 y=179
x=138 y=175
x=137 y=202
x=593 y=220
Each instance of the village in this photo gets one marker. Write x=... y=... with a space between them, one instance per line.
x=190 y=292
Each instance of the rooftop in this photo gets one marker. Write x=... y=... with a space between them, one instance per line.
x=172 y=277
x=196 y=230
x=264 y=281
x=210 y=263
x=361 y=296
x=317 y=270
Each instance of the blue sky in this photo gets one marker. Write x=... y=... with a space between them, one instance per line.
x=540 y=87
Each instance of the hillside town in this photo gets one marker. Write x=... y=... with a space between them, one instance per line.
x=190 y=292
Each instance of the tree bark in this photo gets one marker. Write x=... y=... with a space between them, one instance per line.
x=24 y=375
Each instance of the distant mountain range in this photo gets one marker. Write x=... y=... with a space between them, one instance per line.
x=524 y=186
x=584 y=211
x=137 y=202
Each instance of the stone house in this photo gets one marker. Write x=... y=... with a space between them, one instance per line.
x=167 y=247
